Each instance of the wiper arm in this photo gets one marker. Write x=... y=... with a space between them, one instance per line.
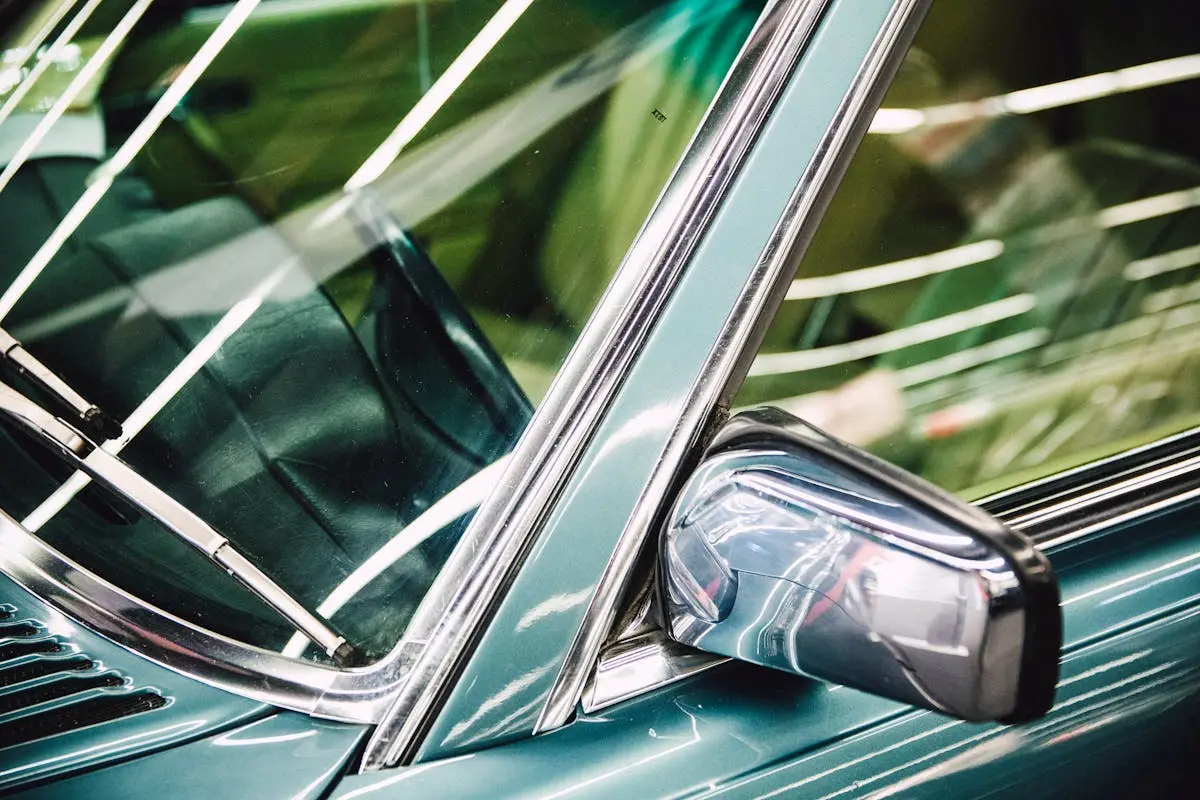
x=90 y=417
x=120 y=478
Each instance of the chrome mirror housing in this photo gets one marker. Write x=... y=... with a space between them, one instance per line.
x=790 y=549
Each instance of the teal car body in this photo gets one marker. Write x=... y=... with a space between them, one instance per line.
x=511 y=711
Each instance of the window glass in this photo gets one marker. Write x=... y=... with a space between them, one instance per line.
x=1007 y=282
x=322 y=258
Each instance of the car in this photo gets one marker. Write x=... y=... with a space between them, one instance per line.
x=411 y=398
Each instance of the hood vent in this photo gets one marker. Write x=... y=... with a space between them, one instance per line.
x=48 y=687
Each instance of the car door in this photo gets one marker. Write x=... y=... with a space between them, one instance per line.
x=572 y=690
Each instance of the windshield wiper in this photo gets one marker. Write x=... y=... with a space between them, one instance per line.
x=119 y=477
x=90 y=417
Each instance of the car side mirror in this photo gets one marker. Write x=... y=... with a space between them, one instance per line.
x=790 y=549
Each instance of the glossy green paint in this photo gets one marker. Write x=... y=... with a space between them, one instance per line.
x=1129 y=695
x=1123 y=723
x=505 y=685
x=194 y=709
x=284 y=755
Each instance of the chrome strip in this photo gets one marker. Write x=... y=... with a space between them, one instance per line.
x=1164 y=504
x=1053 y=488
x=455 y=611
x=1136 y=484
x=728 y=361
x=632 y=666
x=1133 y=476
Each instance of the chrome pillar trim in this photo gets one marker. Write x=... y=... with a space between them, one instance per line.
x=730 y=358
x=640 y=664
x=463 y=597
x=790 y=26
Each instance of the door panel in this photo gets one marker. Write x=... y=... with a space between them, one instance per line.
x=1123 y=721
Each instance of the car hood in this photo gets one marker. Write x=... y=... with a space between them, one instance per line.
x=71 y=700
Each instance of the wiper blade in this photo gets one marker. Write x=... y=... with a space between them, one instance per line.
x=119 y=477
x=90 y=417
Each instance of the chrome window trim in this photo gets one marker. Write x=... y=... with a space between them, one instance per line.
x=465 y=593
x=402 y=689
x=1165 y=471
x=730 y=357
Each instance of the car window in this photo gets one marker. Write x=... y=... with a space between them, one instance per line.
x=1005 y=284
x=322 y=260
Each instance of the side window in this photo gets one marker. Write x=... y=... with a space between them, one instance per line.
x=1007 y=282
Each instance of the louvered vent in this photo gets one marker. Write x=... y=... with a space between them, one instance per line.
x=48 y=687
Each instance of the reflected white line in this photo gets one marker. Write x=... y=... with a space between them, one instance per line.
x=1170 y=298
x=1166 y=262
x=432 y=101
x=82 y=78
x=853 y=762
x=157 y=400
x=49 y=56
x=978 y=252
x=458 y=501
x=973 y=357
x=1174 y=576
x=1041 y=98
x=1105 y=667
x=1148 y=208
x=896 y=271
x=937 y=328
x=104 y=176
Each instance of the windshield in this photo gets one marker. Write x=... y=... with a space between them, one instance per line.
x=320 y=260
